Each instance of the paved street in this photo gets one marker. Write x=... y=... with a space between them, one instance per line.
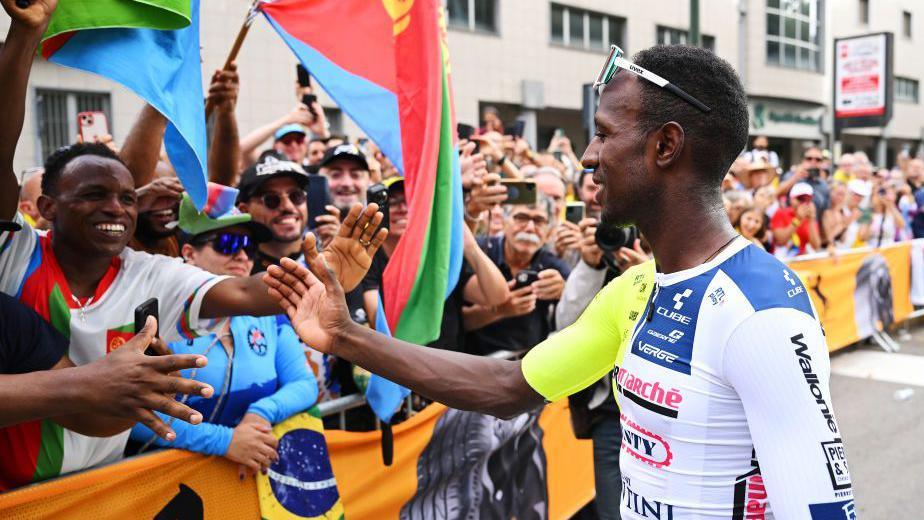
x=884 y=436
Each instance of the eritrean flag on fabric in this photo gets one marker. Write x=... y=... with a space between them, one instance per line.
x=152 y=48
x=385 y=63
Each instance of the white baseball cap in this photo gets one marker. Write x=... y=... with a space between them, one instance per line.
x=861 y=188
x=801 y=189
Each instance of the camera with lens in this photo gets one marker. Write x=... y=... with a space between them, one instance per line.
x=814 y=173
x=612 y=237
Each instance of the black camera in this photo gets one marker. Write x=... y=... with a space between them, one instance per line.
x=612 y=237
x=814 y=173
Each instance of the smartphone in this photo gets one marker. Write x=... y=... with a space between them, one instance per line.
x=148 y=308
x=557 y=155
x=304 y=78
x=520 y=192
x=525 y=278
x=378 y=193
x=92 y=125
x=574 y=212
x=308 y=100
x=865 y=217
x=318 y=192
x=559 y=132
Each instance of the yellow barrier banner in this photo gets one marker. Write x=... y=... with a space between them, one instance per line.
x=180 y=485
x=858 y=292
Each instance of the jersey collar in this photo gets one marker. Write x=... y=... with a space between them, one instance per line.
x=667 y=279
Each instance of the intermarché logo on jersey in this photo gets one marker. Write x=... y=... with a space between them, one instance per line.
x=651 y=396
x=811 y=379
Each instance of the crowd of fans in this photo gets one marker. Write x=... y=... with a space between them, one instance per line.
x=527 y=271
x=821 y=204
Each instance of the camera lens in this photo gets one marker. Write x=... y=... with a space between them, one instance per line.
x=611 y=237
x=513 y=192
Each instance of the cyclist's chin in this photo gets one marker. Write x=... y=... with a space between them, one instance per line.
x=616 y=216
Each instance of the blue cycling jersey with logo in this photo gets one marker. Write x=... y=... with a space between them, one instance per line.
x=724 y=398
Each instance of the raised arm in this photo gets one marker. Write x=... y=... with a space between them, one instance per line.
x=225 y=148
x=319 y=314
x=16 y=54
x=487 y=286
x=349 y=254
x=250 y=142
x=141 y=149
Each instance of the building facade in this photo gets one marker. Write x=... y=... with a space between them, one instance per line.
x=532 y=58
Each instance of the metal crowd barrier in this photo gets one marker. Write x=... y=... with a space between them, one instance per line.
x=342 y=404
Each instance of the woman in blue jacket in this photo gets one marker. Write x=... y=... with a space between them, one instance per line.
x=256 y=365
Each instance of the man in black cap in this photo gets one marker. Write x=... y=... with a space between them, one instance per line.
x=348 y=172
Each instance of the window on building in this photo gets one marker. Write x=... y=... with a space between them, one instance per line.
x=586 y=29
x=472 y=15
x=906 y=90
x=864 y=12
x=672 y=36
x=794 y=33
x=57 y=115
x=906 y=24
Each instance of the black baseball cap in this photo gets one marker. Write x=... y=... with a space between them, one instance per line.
x=344 y=151
x=269 y=166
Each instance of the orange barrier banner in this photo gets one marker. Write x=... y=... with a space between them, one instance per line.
x=177 y=484
x=856 y=293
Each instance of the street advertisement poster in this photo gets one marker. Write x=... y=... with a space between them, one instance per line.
x=863 y=80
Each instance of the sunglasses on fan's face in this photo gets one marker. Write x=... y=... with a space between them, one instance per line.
x=272 y=199
x=230 y=244
x=615 y=62
x=292 y=139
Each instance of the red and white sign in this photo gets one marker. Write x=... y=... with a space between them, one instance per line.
x=860 y=76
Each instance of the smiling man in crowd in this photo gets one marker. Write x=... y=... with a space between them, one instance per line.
x=83 y=279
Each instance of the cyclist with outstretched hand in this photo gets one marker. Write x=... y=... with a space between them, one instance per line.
x=719 y=361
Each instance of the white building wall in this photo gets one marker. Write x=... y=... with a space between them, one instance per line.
x=492 y=67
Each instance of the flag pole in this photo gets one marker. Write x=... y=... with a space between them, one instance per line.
x=236 y=47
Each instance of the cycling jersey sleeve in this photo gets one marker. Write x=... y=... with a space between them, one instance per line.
x=581 y=354
x=777 y=361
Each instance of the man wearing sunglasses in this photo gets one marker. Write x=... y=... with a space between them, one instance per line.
x=811 y=172
x=273 y=192
x=722 y=374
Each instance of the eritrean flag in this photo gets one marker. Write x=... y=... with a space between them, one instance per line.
x=386 y=64
x=152 y=48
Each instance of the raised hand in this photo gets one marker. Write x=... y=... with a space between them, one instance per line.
x=313 y=300
x=224 y=87
x=36 y=14
x=129 y=384
x=350 y=253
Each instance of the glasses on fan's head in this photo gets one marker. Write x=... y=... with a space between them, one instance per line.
x=615 y=62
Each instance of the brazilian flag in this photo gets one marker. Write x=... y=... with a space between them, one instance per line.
x=301 y=484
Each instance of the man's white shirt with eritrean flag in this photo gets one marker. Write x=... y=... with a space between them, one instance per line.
x=40 y=450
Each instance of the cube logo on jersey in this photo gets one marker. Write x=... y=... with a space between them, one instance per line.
x=836 y=457
x=648 y=395
x=644 y=445
x=844 y=510
x=678 y=298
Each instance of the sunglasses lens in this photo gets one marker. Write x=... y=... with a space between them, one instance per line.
x=271 y=200
x=230 y=243
x=297 y=197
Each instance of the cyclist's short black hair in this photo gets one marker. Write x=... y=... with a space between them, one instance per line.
x=55 y=163
x=716 y=137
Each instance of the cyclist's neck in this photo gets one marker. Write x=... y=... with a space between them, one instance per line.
x=686 y=236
